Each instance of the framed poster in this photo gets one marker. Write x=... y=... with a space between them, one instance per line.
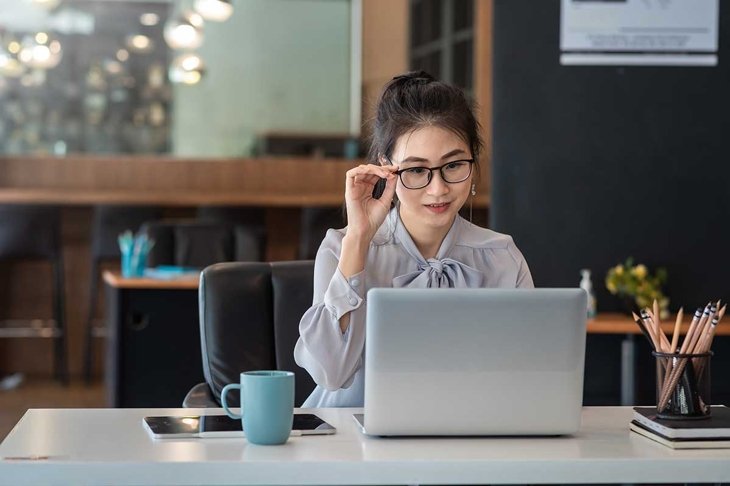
x=639 y=32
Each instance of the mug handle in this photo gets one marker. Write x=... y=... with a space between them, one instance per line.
x=226 y=389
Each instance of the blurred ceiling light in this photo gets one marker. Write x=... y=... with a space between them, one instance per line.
x=149 y=19
x=112 y=67
x=139 y=43
x=40 y=52
x=122 y=55
x=187 y=69
x=184 y=32
x=10 y=66
x=214 y=10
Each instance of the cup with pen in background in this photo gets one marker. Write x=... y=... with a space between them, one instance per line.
x=134 y=250
x=683 y=370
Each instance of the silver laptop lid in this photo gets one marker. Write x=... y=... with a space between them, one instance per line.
x=474 y=361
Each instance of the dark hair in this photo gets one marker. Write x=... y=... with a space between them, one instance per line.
x=414 y=100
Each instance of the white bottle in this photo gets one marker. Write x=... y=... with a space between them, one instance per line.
x=587 y=285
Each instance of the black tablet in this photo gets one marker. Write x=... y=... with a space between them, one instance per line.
x=218 y=426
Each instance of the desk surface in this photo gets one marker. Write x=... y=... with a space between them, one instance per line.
x=116 y=280
x=105 y=445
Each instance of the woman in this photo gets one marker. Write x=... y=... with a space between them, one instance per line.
x=425 y=147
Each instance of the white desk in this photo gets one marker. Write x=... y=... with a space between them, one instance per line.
x=110 y=446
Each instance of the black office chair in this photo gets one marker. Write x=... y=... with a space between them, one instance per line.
x=195 y=243
x=34 y=233
x=249 y=320
x=241 y=215
x=314 y=225
x=108 y=222
x=248 y=220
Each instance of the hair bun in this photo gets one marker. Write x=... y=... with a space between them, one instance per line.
x=419 y=76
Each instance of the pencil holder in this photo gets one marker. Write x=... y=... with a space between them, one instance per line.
x=683 y=385
x=133 y=264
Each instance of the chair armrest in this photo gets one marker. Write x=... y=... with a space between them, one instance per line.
x=200 y=396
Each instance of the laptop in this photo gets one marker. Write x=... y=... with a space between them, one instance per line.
x=474 y=361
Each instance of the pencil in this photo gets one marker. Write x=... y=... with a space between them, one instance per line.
x=671 y=348
x=711 y=334
x=650 y=329
x=695 y=319
x=661 y=337
x=675 y=335
x=706 y=344
x=644 y=331
x=693 y=329
x=702 y=328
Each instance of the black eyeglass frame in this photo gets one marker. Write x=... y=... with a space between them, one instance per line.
x=431 y=170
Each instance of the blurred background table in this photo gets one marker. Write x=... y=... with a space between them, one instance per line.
x=153 y=355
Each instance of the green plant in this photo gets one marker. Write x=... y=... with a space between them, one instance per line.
x=627 y=280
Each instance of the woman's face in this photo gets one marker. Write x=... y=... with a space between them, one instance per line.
x=437 y=204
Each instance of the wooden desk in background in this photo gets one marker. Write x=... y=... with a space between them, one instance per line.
x=282 y=185
x=153 y=355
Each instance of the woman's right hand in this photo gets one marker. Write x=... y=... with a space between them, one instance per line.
x=365 y=214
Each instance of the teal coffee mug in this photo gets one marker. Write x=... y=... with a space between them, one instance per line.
x=267 y=405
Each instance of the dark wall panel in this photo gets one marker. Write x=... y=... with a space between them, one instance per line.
x=594 y=164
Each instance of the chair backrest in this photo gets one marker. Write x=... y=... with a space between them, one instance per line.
x=29 y=232
x=249 y=320
x=108 y=222
x=250 y=227
x=314 y=225
x=292 y=283
x=243 y=215
x=195 y=243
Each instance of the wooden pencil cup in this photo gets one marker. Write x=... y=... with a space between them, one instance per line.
x=683 y=385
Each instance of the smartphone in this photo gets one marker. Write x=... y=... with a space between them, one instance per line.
x=222 y=426
x=379 y=188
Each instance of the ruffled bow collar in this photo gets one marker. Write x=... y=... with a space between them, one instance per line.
x=441 y=271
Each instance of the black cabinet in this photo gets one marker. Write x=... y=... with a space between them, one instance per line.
x=153 y=346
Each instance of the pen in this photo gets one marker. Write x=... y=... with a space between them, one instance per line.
x=644 y=331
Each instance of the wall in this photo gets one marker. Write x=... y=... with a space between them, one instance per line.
x=384 y=48
x=274 y=66
x=595 y=164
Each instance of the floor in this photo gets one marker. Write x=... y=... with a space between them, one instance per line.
x=46 y=393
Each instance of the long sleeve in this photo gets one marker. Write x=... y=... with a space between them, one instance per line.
x=331 y=357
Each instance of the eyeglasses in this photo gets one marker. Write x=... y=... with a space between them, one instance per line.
x=451 y=172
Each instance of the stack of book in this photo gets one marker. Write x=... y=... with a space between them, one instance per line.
x=709 y=433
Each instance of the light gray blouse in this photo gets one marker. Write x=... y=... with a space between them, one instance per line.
x=469 y=256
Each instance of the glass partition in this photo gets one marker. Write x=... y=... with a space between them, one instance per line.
x=208 y=78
